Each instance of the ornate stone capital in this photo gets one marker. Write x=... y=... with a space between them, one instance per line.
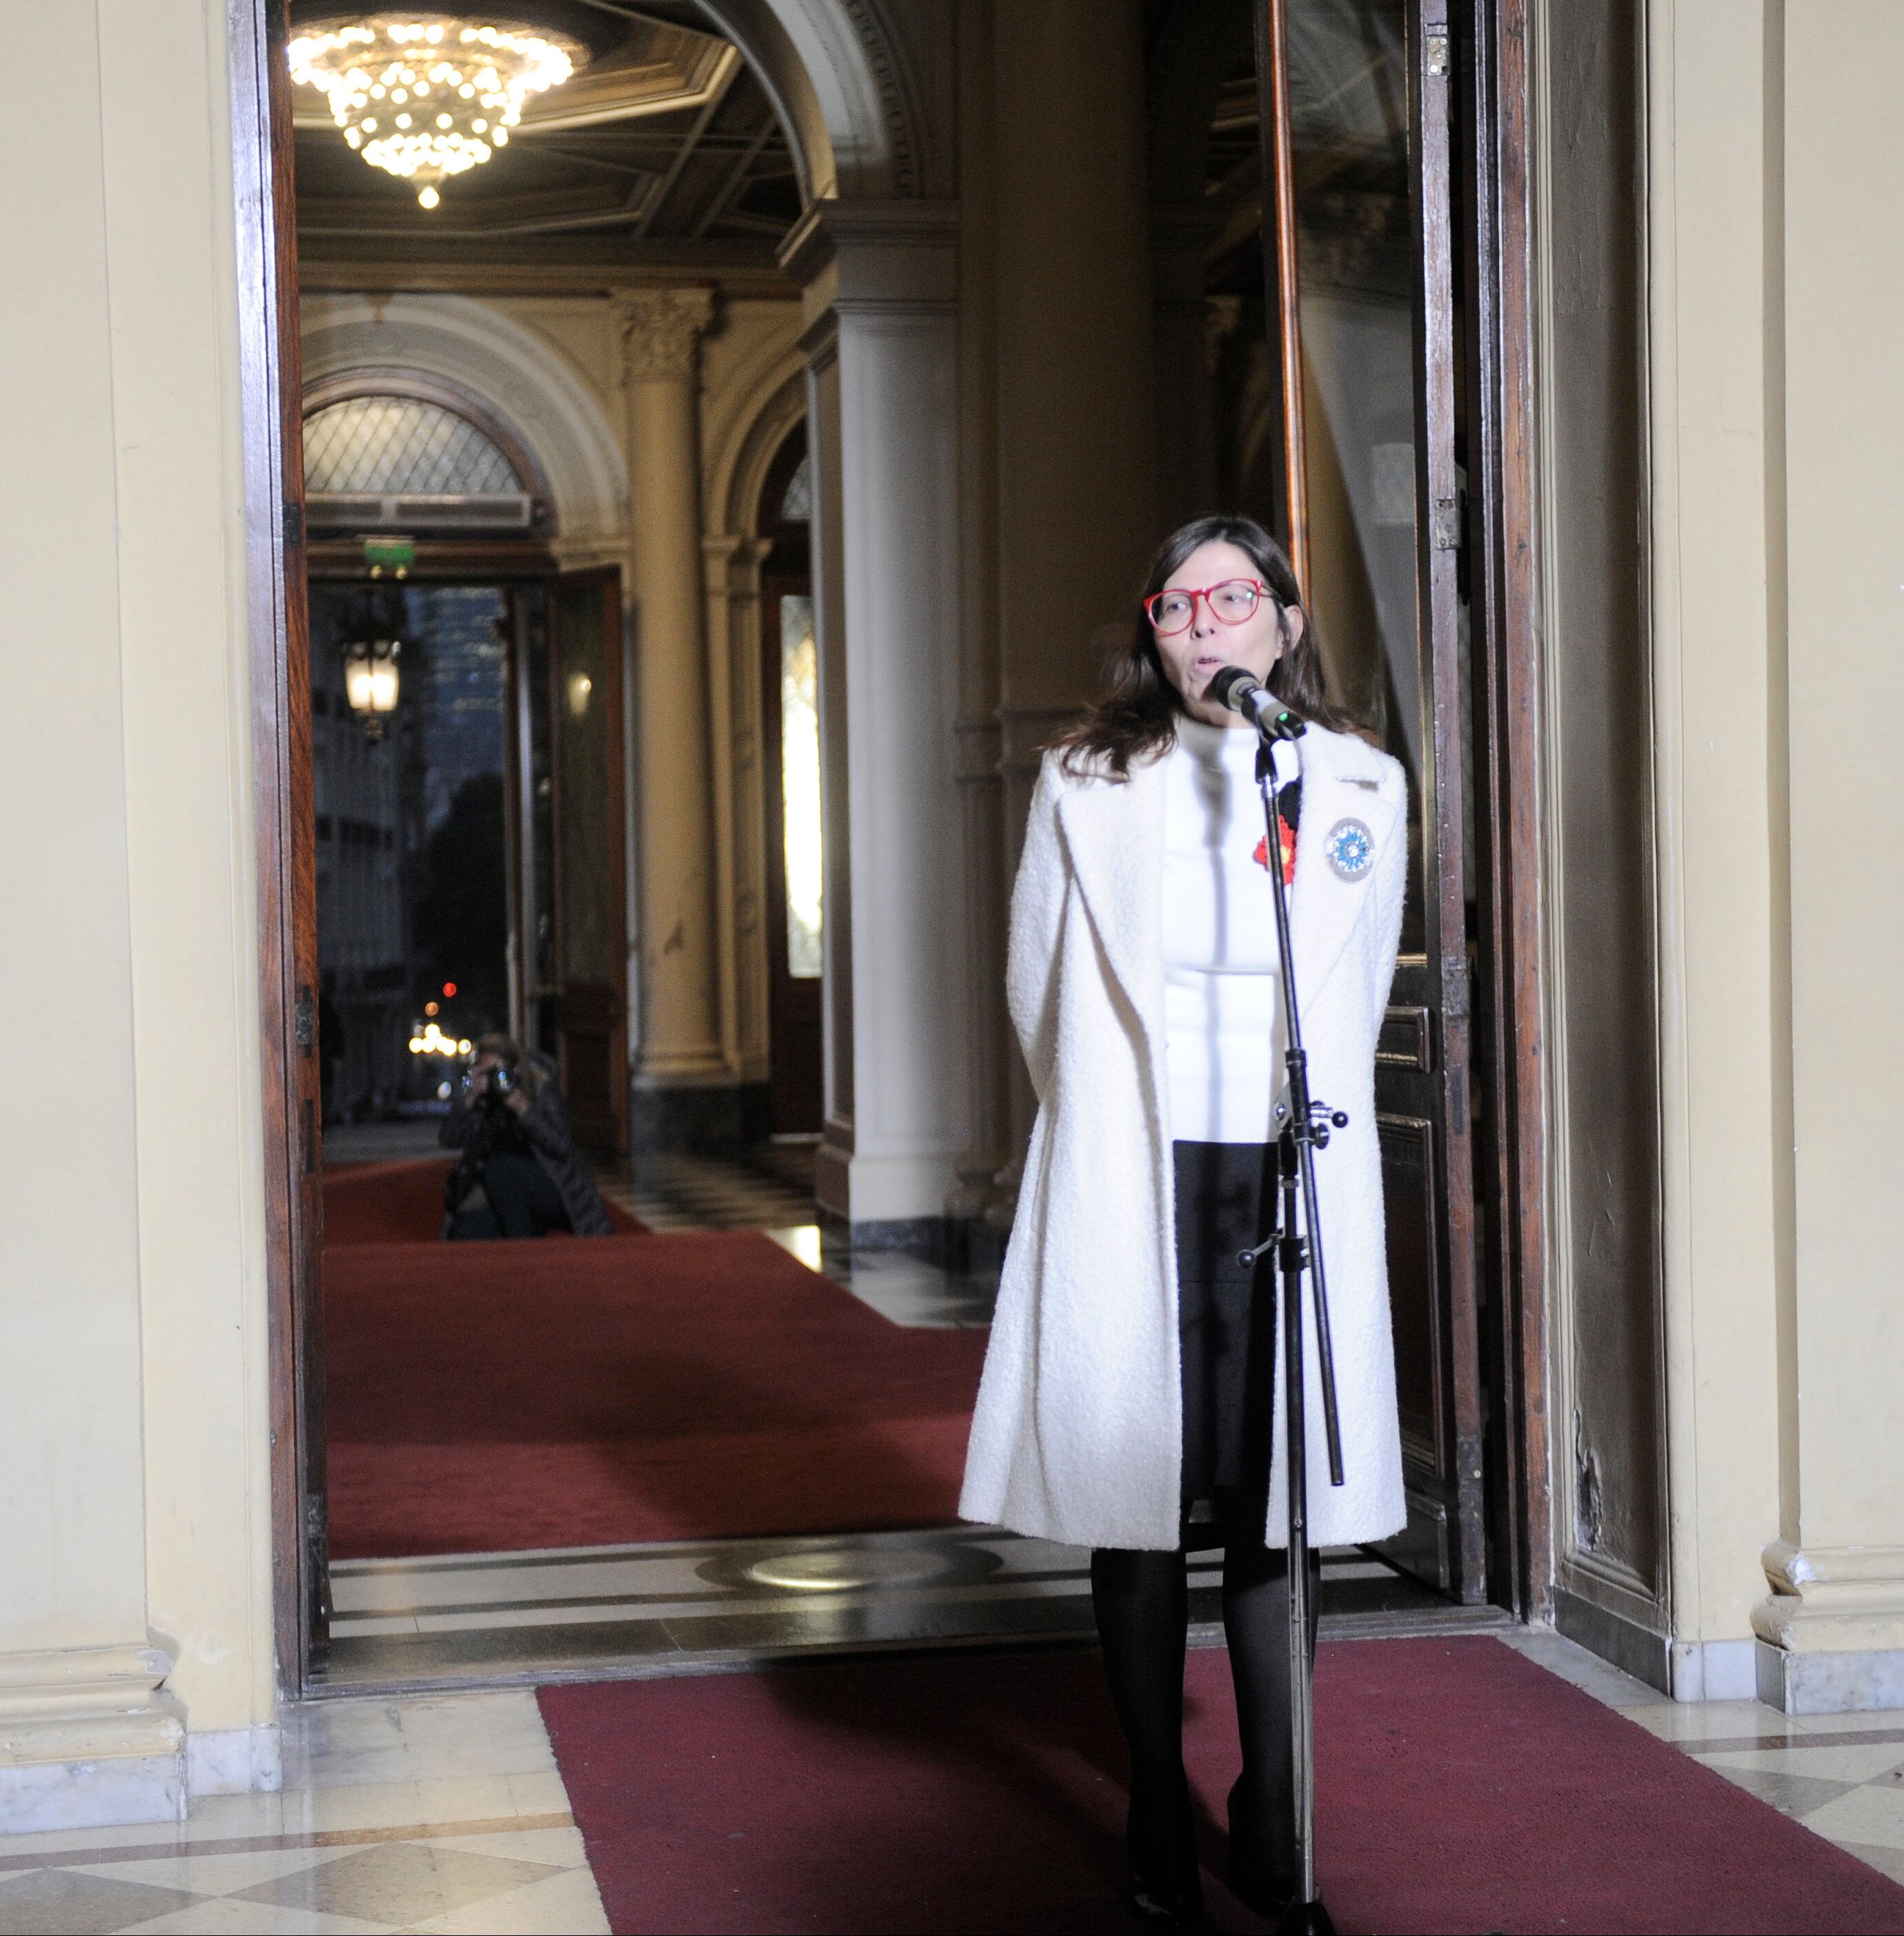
x=661 y=331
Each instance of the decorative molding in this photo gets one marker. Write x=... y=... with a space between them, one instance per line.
x=897 y=110
x=882 y=252
x=89 y=1737
x=661 y=331
x=526 y=380
x=1831 y=1598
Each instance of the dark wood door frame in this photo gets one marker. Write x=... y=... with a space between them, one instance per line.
x=1491 y=75
x=279 y=654
x=1478 y=49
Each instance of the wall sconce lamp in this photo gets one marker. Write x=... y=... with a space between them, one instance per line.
x=370 y=682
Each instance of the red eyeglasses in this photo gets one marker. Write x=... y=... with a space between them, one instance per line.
x=1232 y=603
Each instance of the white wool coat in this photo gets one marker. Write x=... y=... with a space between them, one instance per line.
x=1078 y=1434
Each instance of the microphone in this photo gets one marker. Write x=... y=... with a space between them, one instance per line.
x=1243 y=692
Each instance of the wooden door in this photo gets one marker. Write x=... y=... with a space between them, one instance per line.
x=1362 y=284
x=275 y=489
x=590 y=854
x=790 y=741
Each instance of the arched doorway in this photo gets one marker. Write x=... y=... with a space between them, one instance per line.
x=792 y=792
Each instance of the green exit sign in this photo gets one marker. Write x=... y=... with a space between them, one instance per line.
x=389 y=554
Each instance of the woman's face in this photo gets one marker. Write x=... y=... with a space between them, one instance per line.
x=1206 y=644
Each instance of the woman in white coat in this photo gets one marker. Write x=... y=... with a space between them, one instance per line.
x=1132 y=1388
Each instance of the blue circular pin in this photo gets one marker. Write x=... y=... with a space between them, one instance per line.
x=1350 y=848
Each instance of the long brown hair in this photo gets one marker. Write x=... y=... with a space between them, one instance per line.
x=1138 y=713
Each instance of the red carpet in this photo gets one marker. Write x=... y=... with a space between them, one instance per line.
x=488 y=1397
x=399 y=1202
x=1461 y=1788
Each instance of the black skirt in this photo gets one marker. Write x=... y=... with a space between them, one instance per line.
x=1227 y=1323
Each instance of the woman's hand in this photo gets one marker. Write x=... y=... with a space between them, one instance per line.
x=516 y=1103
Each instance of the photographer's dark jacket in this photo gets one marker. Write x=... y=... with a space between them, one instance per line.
x=544 y=1127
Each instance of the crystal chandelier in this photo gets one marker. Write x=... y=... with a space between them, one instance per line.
x=427 y=95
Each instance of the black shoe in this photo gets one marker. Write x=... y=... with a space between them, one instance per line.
x=1258 y=1882
x=1166 y=1883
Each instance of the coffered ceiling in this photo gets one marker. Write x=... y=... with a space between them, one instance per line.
x=661 y=157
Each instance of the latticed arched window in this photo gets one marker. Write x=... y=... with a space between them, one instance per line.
x=407 y=462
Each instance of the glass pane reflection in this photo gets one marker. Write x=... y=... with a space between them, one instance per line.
x=1355 y=264
x=799 y=783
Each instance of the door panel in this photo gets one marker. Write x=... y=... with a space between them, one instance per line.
x=1370 y=328
x=589 y=864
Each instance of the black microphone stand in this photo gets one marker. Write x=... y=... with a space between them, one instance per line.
x=1298 y=1248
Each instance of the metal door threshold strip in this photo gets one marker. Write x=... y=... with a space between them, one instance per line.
x=685 y=1606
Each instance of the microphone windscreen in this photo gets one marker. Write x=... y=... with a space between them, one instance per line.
x=1228 y=685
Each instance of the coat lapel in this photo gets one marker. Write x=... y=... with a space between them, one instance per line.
x=1115 y=837
x=1323 y=906
x=1115 y=834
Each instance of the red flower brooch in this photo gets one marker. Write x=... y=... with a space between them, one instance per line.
x=1287 y=841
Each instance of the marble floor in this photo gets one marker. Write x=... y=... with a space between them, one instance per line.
x=439 y=1813
x=595 y=1612
x=446 y=1812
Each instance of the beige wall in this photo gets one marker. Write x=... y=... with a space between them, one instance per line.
x=1778 y=265
x=135 y=1514
x=1717 y=650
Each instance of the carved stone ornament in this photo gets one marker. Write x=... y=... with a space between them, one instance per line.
x=660 y=330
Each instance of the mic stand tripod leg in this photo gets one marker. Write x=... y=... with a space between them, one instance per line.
x=1306 y=1915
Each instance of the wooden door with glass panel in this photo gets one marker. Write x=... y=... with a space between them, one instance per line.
x=1362 y=284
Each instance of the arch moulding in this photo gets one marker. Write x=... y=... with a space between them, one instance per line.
x=521 y=379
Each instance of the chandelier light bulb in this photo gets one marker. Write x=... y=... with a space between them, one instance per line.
x=476 y=76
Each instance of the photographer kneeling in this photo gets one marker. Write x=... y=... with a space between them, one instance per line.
x=510 y=1130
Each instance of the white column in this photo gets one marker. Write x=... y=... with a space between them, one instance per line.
x=679 y=1042
x=732 y=565
x=880 y=281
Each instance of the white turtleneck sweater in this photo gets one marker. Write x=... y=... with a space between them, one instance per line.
x=1222 y=1001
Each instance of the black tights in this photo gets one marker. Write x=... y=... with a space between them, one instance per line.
x=1142 y=1601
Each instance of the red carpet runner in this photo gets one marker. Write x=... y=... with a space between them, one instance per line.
x=488 y=1397
x=399 y=1203
x=1461 y=1788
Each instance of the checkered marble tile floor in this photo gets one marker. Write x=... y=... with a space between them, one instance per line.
x=772 y=1192
x=447 y=1813
x=671 y=1190
x=1842 y=1775
x=439 y=1813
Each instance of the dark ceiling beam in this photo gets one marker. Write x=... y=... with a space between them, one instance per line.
x=736 y=176
x=652 y=205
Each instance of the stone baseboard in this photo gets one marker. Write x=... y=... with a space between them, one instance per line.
x=234 y=1761
x=50 y=1797
x=1831 y=1681
x=711 y=1120
x=88 y=1739
x=1715 y=1670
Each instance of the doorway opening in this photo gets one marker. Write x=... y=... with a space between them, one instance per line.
x=591 y=817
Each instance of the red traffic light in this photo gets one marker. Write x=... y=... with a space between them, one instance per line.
x=449 y=988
